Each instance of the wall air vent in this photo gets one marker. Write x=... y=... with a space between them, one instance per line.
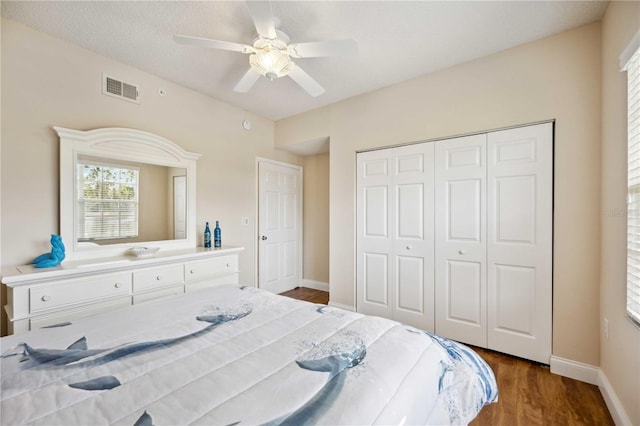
x=115 y=87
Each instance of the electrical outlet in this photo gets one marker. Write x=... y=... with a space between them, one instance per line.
x=606 y=328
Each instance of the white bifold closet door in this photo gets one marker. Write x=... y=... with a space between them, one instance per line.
x=395 y=242
x=520 y=241
x=455 y=236
x=461 y=248
x=494 y=224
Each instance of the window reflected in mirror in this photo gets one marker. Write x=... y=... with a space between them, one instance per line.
x=124 y=202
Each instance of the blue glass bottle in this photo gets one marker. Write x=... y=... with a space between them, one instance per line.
x=217 y=236
x=207 y=236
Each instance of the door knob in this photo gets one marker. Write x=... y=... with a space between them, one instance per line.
x=264 y=237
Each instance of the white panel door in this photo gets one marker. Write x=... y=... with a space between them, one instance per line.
x=413 y=235
x=373 y=235
x=280 y=226
x=460 y=253
x=520 y=224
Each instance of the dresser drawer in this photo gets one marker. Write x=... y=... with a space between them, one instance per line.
x=199 y=269
x=158 y=294
x=66 y=316
x=157 y=277
x=64 y=293
x=212 y=282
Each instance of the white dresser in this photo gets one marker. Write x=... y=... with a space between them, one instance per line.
x=54 y=296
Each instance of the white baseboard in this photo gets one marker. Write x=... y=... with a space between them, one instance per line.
x=316 y=285
x=595 y=376
x=341 y=306
x=574 y=370
x=616 y=409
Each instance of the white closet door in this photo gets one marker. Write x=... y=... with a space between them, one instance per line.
x=395 y=243
x=373 y=241
x=413 y=235
x=520 y=223
x=460 y=255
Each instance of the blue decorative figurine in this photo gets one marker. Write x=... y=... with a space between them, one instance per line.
x=56 y=256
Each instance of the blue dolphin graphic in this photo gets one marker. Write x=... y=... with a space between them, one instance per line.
x=337 y=367
x=78 y=354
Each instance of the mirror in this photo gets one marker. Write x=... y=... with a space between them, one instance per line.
x=121 y=188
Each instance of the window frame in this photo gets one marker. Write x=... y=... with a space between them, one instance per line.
x=630 y=63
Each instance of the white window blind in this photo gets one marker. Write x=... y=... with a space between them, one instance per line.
x=633 y=183
x=107 y=201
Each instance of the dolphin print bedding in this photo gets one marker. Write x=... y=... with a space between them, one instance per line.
x=238 y=355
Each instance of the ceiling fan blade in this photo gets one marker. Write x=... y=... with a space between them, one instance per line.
x=214 y=44
x=262 y=18
x=318 y=49
x=305 y=81
x=247 y=81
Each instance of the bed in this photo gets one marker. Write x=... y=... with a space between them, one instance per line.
x=238 y=355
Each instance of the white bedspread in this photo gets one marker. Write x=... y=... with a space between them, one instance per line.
x=239 y=355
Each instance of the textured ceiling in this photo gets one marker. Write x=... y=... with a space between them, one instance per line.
x=398 y=40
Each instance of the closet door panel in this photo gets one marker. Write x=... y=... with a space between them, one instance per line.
x=410 y=211
x=374 y=266
x=413 y=235
x=410 y=285
x=520 y=224
x=374 y=277
x=464 y=204
x=460 y=236
x=463 y=286
x=515 y=287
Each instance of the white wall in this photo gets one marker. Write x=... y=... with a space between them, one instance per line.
x=554 y=78
x=316 y=218
x=47 y=82
x=620 y=353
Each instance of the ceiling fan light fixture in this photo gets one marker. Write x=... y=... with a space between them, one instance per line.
x=271 y=53
x=271 y=63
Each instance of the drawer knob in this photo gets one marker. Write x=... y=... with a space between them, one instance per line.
x=461 y=251
x=158 y=277
x=228 y=265
x=118 y=285
x=46 y=298
x=192 y=272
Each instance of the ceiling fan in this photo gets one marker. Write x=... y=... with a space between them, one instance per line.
x=270 y=55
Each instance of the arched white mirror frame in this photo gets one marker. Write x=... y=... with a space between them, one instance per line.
x=121 y=144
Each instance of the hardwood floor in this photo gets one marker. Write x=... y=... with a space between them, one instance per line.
x=529 y=394
x=308 y=294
